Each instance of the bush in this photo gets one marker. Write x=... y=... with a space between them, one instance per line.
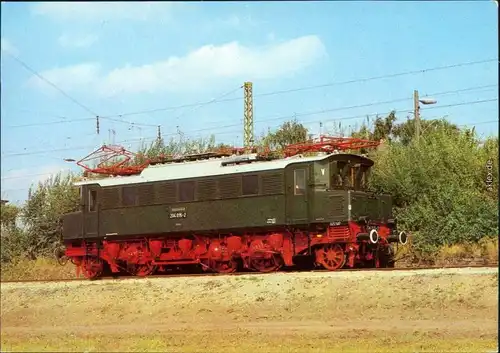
x=439 y=189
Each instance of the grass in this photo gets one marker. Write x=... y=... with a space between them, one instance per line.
x=245 y=341
x=486 y=249
x=39 y=269
x=484 y=252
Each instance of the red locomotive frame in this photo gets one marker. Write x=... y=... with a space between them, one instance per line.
x=335 y=248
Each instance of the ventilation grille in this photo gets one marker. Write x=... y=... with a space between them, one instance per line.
x=336 y=206
x=207 y=190
x=272 y=184
x=229 y=187
x=165 y=193
x=339 y=233
x=110 y=198
x=146 y=195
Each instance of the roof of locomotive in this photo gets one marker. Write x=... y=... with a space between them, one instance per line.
x=204 y=168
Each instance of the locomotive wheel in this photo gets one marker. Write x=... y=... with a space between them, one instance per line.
x=224 y=266
x=331 y=256
x=141 y=270
x=92 y=267
x=271 y=264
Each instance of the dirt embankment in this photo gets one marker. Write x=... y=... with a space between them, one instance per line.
x=433 y=310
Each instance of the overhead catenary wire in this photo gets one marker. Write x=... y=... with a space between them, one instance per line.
x=223 y=133
x=34 y=72
x=210 y=102
x=305 y=88
x=334 y=121
x=366 y=79
x=264 y=120
x=96 y=116
x=257 y=121
x=339 y=108
x=317 y=112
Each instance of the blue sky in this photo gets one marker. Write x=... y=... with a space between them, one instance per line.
x=117 y=58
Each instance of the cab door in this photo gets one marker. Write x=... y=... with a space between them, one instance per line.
x=91 y=212
x=297 y=194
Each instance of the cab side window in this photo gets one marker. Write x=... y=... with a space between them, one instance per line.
x=338 y=179
x=299 y=182
x=360 y=177
x=92 y=204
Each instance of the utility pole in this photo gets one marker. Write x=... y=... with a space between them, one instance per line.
x=416 y=114
x=248 y=115
x=416 y=111
x=97 y=124
x=158 y=137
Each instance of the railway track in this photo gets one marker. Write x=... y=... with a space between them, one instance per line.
x=249 y=273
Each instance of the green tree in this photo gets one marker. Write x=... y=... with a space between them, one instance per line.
x=288 y=133
x=9 y=214
x=42 y=213
x=176 y=147
x=13 y=238
x=405 y=132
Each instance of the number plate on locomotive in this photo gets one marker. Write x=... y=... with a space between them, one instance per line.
x=177 y=212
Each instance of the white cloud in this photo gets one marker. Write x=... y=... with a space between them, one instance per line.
x=82 y=74
x=94 y=11
x=206 y=65
x=8 y=47
x=77 y=41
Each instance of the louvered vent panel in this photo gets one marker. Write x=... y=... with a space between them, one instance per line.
x=339 y=233
x=230 y=187
x=336 y=206
x=207 y=190
x=165 y=193
x=272 y=184
x=146 y=194
x=109 y=198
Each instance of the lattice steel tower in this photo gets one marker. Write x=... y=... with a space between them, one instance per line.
x=248 y=115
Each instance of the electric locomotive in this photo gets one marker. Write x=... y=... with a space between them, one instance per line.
x=224 y=212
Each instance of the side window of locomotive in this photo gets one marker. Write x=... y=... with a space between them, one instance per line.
x=357 y=177
x=129 y=196
x=337 y=175
x=299 y=178
x=250 y=185
x=92 y=200
x=186 y=191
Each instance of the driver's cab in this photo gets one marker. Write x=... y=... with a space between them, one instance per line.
x=349 y=172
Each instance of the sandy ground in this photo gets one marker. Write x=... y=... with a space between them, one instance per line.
x=424 y=310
